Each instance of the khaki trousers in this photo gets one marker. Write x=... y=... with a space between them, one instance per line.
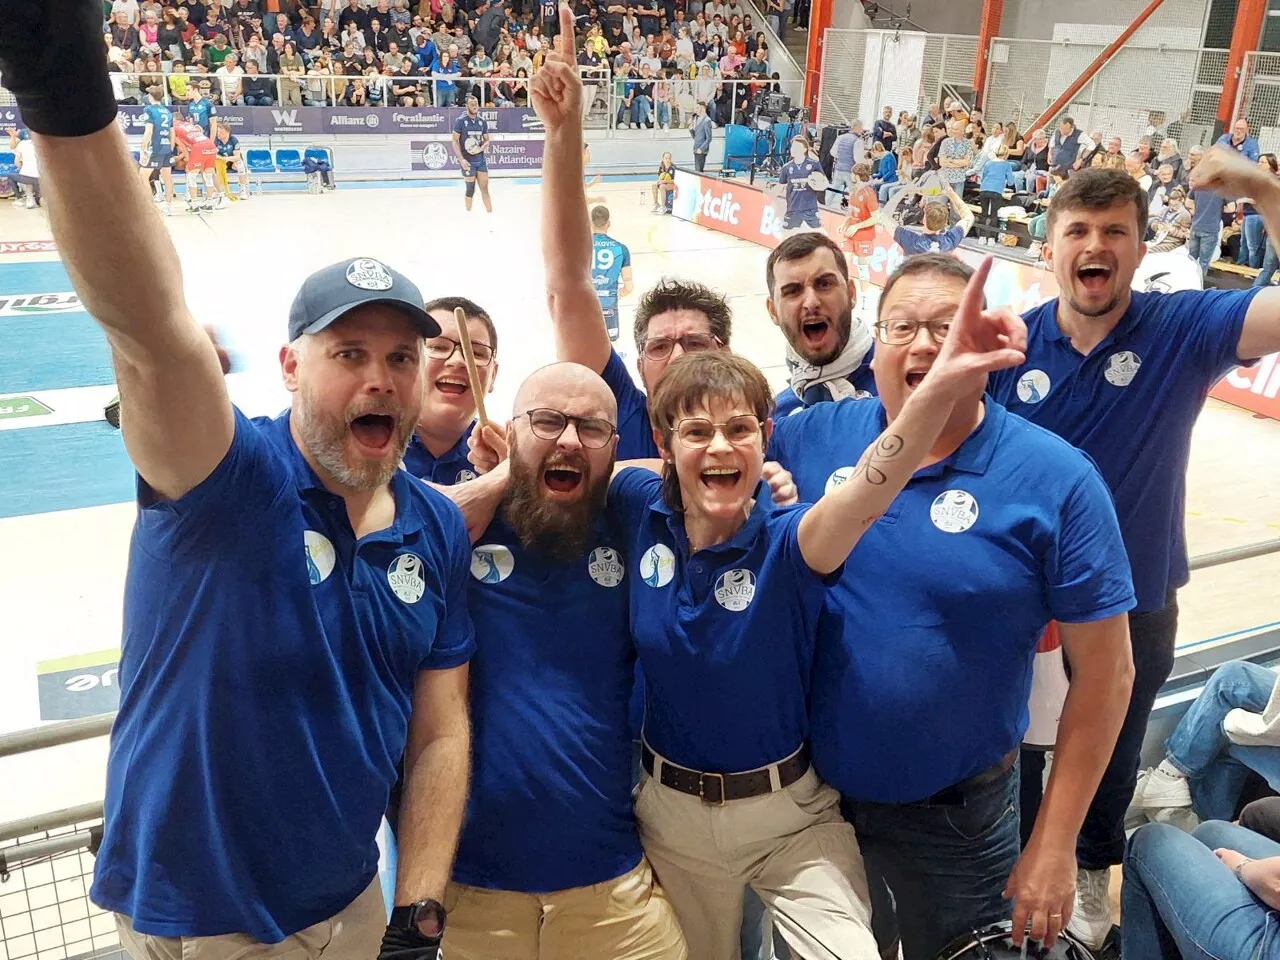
x=792 y=847
x=355 y=933
x=628 y=918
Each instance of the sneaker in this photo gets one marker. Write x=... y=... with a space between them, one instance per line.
x=166 y=209
x=31 y=203
x=1091 y=919
x=1159 y=789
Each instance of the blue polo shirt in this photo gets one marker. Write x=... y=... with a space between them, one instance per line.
x=914 y=241
x=1131 y=405
x=447 y=469
x=635 y=435
x=725 y=636
x=923 y=664
x=266 y=680
x=550 y=805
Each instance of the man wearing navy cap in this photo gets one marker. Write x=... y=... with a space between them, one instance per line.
x=922 y=669
x=1123 y=376
x=295 y=605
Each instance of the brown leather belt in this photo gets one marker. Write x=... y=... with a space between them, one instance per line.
x=719 y=788
x=954 y=795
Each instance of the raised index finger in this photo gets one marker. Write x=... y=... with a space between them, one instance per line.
x=566 y=42
x=971 y=301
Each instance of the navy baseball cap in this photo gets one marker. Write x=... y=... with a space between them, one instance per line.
x=336 y=289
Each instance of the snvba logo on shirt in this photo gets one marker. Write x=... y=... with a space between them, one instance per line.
x=735 y=589
x=605 y=566
x=320 y=556
x=658 y=565
x=464 y=475
x=954 y=511
x=492 y=563
x=838 y=476
x=1122 y=367
x=406 y=577
x=1033 y=386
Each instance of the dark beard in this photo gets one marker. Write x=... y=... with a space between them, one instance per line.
x=560 y=532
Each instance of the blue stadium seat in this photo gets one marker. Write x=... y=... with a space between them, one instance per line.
x=259 y=161
x=319 y=153
x=8 y=164
x=288 y=161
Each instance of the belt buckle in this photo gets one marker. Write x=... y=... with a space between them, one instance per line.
x=702 y=789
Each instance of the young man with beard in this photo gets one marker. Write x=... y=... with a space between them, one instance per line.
x=1123 y=376
x=922 y=669
x=549 y=864
x=295 y=606
x=811 y=297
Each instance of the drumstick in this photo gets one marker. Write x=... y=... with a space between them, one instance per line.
x=473 y=377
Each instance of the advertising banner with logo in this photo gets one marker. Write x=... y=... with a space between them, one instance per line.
x=266 y=121
x=747 y=212
x=436 y=155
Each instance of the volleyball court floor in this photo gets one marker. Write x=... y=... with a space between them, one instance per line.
x=66 y=487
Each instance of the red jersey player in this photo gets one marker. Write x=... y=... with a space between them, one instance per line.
x=198 y=151
x=858 y=232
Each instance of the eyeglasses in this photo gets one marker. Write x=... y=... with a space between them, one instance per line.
x=547 y=424
x=899 y=332
x=442 y=348
x=659 y=348
x=696 y=433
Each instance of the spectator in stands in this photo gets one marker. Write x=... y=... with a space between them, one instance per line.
x=28 y=178
x=1213 y=893
x=997 y=174
x=1159 y=190
x=127 y=7
x=923 y=147
x=255 y=90
x=701 y=131
x=290 y=64
x=218 y=51
x=406 y=90
x=393 y=58
x=169 y=35
x=1238 y=139
x=1232 y=727
x=254 y=52
x=1204 y=244
x=178 y=83
x=884 y=132
x=1094 y=146
x=1252 y=232
x=955 y=156
x=1168 y=154
x=442 y=77
x=1111 y=158
x=149 y=34
x=1171 y=229
x=935 y=236
x=123 y=33
x=1065 y=146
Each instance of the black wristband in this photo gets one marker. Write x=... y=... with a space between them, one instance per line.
x=54 y=61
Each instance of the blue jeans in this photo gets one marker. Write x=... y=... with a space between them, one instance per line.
x=1181 y=903
x=1203 y=248
x=663 y=108
x=1216 y=767
x=640 y=110
x=1251 y=241
x=945 y=865
x=1270 y=264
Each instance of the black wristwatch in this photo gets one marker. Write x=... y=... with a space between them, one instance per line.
x=408 y=918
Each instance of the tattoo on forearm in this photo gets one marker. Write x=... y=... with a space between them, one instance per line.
x=887 y=448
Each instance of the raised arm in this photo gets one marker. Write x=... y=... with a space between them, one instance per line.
x=1225 y=173
x=175 y=414
x=576 y=317
x=978 y=343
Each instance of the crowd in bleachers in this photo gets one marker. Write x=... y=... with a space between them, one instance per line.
x=660 y=56
x=996 y=165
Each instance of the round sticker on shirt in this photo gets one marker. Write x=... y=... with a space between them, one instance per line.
x=492 y=563
x=605 y=566
x=839 y=476
x=735 y=589
x=406 y=576
x=1122 y=367
x=658 y=565
x=464 y=475
x=368 y=275
x=954 y=511
x=1033 y=386
x=320 y=556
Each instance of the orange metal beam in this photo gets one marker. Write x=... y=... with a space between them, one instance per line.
x=1245 y=35
x=992 y=12
x=819 y=21
x=1097 y=65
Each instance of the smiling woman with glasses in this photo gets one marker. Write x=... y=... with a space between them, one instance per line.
x=724 y=613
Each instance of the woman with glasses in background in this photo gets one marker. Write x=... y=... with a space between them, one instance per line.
x=726 y=594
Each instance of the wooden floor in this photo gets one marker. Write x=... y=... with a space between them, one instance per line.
x=242 y=267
